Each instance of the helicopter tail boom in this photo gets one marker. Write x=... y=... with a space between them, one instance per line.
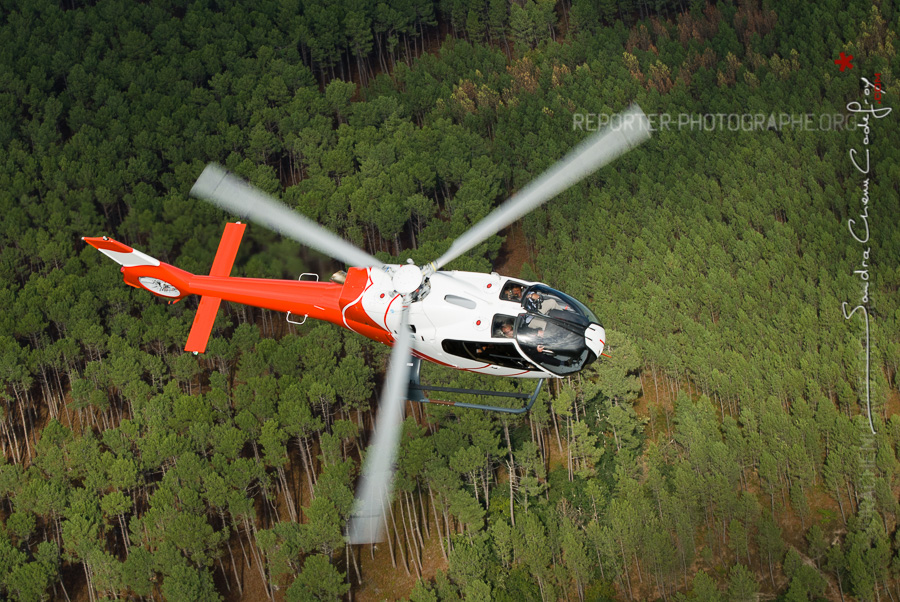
x=142 y=271
x=317 y=300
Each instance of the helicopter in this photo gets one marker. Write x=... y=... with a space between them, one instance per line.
x=484 y=323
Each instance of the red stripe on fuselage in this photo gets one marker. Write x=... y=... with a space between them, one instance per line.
x=384 y=319
x=474 y=369
x=355 y=318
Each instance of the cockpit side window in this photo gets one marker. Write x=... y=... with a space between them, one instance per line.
x=503 y=327
x=512 y=291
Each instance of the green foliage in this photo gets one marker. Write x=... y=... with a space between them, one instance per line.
x=742 y=584
x=704 y=589
x=728 y=408
x=422 y=593
x=183 y=582
x=318 y=580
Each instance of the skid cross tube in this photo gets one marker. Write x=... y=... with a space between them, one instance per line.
x=415 y=392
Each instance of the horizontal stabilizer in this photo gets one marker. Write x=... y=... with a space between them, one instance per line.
x=228 y=248
x=209 y=306
x=203 y=323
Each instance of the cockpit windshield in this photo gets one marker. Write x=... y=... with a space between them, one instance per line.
x=551 y=333
x=540 y=299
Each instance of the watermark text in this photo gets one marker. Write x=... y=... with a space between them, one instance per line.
x=708 y=122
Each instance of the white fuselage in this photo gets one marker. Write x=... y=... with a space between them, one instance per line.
x=460 y=306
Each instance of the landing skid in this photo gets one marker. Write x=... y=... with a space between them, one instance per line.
x=416 y=392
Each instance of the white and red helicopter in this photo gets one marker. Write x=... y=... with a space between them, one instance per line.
x=485 y=323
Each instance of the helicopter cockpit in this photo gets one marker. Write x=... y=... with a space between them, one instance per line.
x=552 y=330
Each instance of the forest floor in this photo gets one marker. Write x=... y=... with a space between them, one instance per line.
x=514 y=252
x=384 y=582
x=251 y=581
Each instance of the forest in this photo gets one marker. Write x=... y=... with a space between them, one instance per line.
x=723 y=452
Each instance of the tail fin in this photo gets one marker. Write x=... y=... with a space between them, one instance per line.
x=209 y=306
x=162 y=279
x=142 y=271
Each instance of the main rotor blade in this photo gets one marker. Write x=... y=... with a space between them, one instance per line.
x=240 y=198
x=631 y=129
x=374 y=494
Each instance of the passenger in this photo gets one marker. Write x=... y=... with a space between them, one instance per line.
x=504 y=327
x=513 y=293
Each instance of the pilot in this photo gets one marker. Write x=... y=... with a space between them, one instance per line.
x=537 y=303
x=506 y=330
x=532 y=302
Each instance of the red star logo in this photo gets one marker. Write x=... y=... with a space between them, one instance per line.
x=844 y=61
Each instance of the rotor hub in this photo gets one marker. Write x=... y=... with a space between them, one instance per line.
x=407 y=279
